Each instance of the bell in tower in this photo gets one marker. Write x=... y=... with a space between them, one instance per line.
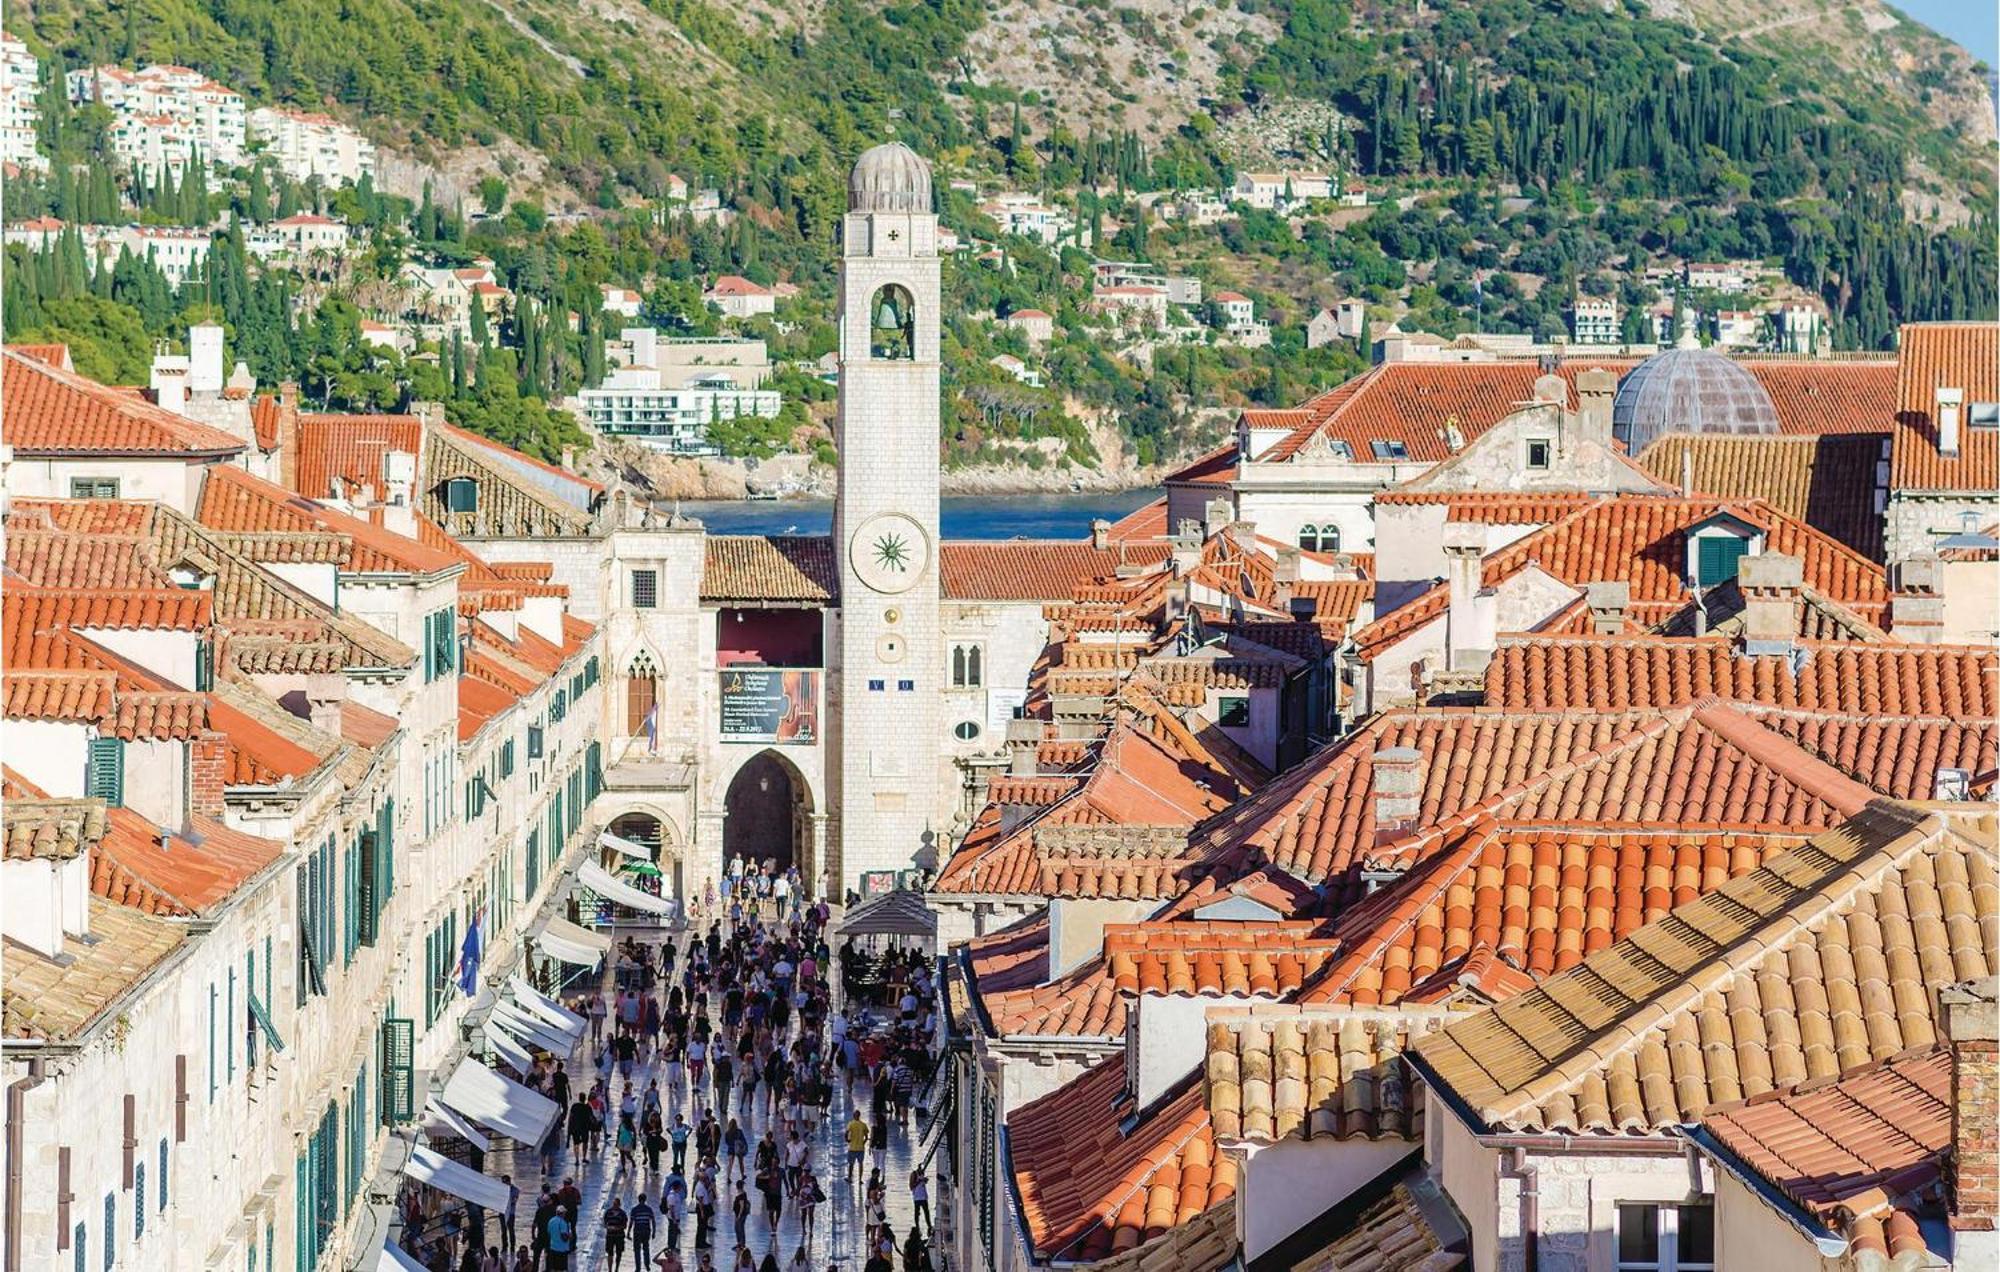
x=893 y=335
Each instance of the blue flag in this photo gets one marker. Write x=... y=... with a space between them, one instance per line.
x=468 y=957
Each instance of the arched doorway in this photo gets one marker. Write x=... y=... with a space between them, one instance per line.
x=768 y=814
x=650 y=832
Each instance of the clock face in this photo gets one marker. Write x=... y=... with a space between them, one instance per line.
x=889 y=552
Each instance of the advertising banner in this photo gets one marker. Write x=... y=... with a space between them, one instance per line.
x=768 y=704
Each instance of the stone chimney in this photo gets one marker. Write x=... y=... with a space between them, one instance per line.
x=204 y=358
x=1595 y=389
x=1770 y=584
x=208 y=766
x=1399 y=789
x=1950 y=406
x=1971 y=1028
x=1285 y=574
x=288 y=434
x=1215 y=514
x=1916 y=608
x=1186 y=547
x=1550 y=390
x=1469 y=628
x=170 y=382
x=1023 y=738
x=1100 y=534
x=569 y=459
x=324 y=696
x=1609 y=600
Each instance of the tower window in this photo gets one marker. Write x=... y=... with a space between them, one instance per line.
x=1324 y=538
x=892 y=324
x=967 y=667
x=1538 y=454
x=645 y=589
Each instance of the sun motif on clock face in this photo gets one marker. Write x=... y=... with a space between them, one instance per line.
x=892 y=552
x=889 y=551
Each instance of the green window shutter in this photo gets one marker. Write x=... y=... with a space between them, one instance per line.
x=385 y=841
x=369 y=857
x=204 y=666
x=430 y=669
x=534 y=862
x=211 y=1043
x=105 y=773
x=398 y=1070
x=1716 y=557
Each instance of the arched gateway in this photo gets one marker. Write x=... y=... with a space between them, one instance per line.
x=769 y=814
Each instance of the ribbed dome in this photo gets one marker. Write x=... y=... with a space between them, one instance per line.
x=890 y=178
x=1689 y=391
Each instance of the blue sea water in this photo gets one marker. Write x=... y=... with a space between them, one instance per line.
x=963 y=516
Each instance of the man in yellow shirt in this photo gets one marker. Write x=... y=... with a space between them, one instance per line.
x=857 y=1144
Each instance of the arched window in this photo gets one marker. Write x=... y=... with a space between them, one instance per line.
x=641 y=695
x=892 y=323
x=958 y=664
x=1324 y=538
x=975 y=676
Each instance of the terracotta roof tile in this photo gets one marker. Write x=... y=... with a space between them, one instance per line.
x=1413 y=1228
x=1147 y=521
x=1090 y=1189
x=1935 y=355
x=51 y=411
x=1828 y=482
x=1846 y=677
x=1493 y=508
x=351 y=448
x=1031 y=570
x=796 y=568
x=194 y=873
x=1824 y=958
x=39 y=828
x=1216 y=468
x=1281 y=1071
x=1235 y=958
x=56 y=1001
x=1848 y=1150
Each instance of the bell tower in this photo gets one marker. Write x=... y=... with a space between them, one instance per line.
x=885 y=523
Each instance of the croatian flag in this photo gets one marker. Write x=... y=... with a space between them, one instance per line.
x=467 y=971
x=653 y=728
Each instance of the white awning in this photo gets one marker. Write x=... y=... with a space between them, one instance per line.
x=396 y=1259
x=487 y=1097
x=572 y=944
x=599 y=880
x=463 y=1182
x=618 y=843
x=511 y=1051
x=529 y=1029
x=439 y=1120
x=542 y=1005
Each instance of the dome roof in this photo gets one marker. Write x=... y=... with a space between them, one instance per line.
x=890 y=178
x=1689 y=391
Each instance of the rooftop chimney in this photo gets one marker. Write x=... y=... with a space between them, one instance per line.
x=1399 y=789
x=1595 y=389
x=1971 y=1027
x=1609 y=600
x=1916 y=609
x=1100 y=534
x=288 y=434
x=1285 y=574
x=170 y=382
x=1023 y=739
x=208 y=767
x=1469 y=628
x=1215 y=514
x=205 y=358
x=1950 y=405
x=324 y=696
x=1770 y=585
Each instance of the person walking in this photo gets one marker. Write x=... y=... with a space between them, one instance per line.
x=640 y=1220
x=878 y=1138
x=616 y=1223
x=507 y=1215
x=739 y=1210
x=857 y=1144
x=561 y=1241
x=674 y=1203
x=920 y=1201
x=678 y=1137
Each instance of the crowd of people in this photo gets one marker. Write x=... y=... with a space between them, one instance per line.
x=714 y=1062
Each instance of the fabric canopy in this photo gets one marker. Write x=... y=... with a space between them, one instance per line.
x=898 y=913
x=529 y=1030
x=439 y=1120
x=521 y=1115
x=396 y=1259
x=542 y=1005
x=511 y=1051
x=564 y=940
x=463 y=1182
x=598 y=880
x=618 y=843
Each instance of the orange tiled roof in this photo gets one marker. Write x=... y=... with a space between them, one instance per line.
x=1007 y=971
x=1828 y=482
x=351 y=448
x=1958 y=355
x=1855 y=1152
x=796 y=568
x=1236 y=958
x=192 y=874
x=38 y=828
x=1618 y=673
x=1089 y=1188
x=56 y=355
x=1147 y=521
x=52 y=411
x=1278 y=1071
x=1030 y=570
x=1494 y=508
x=1216 y=468
x=258 y=755
x=265 y=410
x=1700 y=765
x=1641 y=540
x=55 y=1001
x=1822 y=959
x=234 y=501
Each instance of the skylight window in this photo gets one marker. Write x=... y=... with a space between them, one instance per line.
x=1389 y=451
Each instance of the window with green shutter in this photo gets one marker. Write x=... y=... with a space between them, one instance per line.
x=369 y=858
x=397 y=1067
x=204 y=666
x=534 y=862
x=461 y=494
x=104 y=777
x=1716 y=557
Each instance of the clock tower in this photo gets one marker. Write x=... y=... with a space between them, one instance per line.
x=885 y=524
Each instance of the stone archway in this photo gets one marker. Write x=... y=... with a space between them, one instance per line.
x=769 y=815
x=653 y=831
